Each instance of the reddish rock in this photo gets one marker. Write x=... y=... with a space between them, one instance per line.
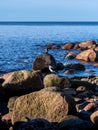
x=67 y=46
x=88 y=55
x=87 y=45
x=90 y=106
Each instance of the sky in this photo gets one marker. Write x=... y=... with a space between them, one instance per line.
x=49 y=10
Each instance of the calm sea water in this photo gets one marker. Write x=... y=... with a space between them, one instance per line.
x=21 y=42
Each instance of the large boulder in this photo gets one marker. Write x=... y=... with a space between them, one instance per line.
x=22 y=82
x=47 y=104
x=43 y=61
x=87 y=45
x=88 y=55
x=55 y=80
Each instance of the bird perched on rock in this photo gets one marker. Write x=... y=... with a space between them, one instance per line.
x=51 y=69
x=46 y=50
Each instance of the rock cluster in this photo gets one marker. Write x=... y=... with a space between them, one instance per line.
x=43 y=100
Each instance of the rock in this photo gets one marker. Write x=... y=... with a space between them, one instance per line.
x=81 y=89
x=96 y=64
x=76 y=83
x=43 y=61
x=87 y=45
x=94 y=118
x=76 y=46
x=35 y=124
x=22 y=82
x=74 y=123
x=90 y=106
x=71 y=55
x=70 y=71
x=47 y=104
x=55 y=80
x=96 y=48
x=76 y=66
x=52 y=46
x=67 y=46
x=88 y=55
x=59 y=66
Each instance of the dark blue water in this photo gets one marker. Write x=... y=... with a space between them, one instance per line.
x=21 y=42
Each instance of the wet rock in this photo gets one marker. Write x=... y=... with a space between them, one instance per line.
x=87 y=45
x=76 y=66
x=43 y=61
x=76 y=46
x=59 y=66
x=22 y=82
x=88 y=55
x=71 y=55
x=67 y=46
x=52 y=46
x=55 y=80
x=45 y=103
x=70 y=71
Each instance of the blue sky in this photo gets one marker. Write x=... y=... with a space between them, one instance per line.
x=48 y=10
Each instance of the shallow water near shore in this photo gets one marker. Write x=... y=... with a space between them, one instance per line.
x=21 y=43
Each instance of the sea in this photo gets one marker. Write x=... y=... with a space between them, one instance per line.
x=22 y=42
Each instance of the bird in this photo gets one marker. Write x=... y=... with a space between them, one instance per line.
x=51 y=69
x=46 y=50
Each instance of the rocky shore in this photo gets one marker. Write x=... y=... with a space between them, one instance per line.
x=42 y=100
